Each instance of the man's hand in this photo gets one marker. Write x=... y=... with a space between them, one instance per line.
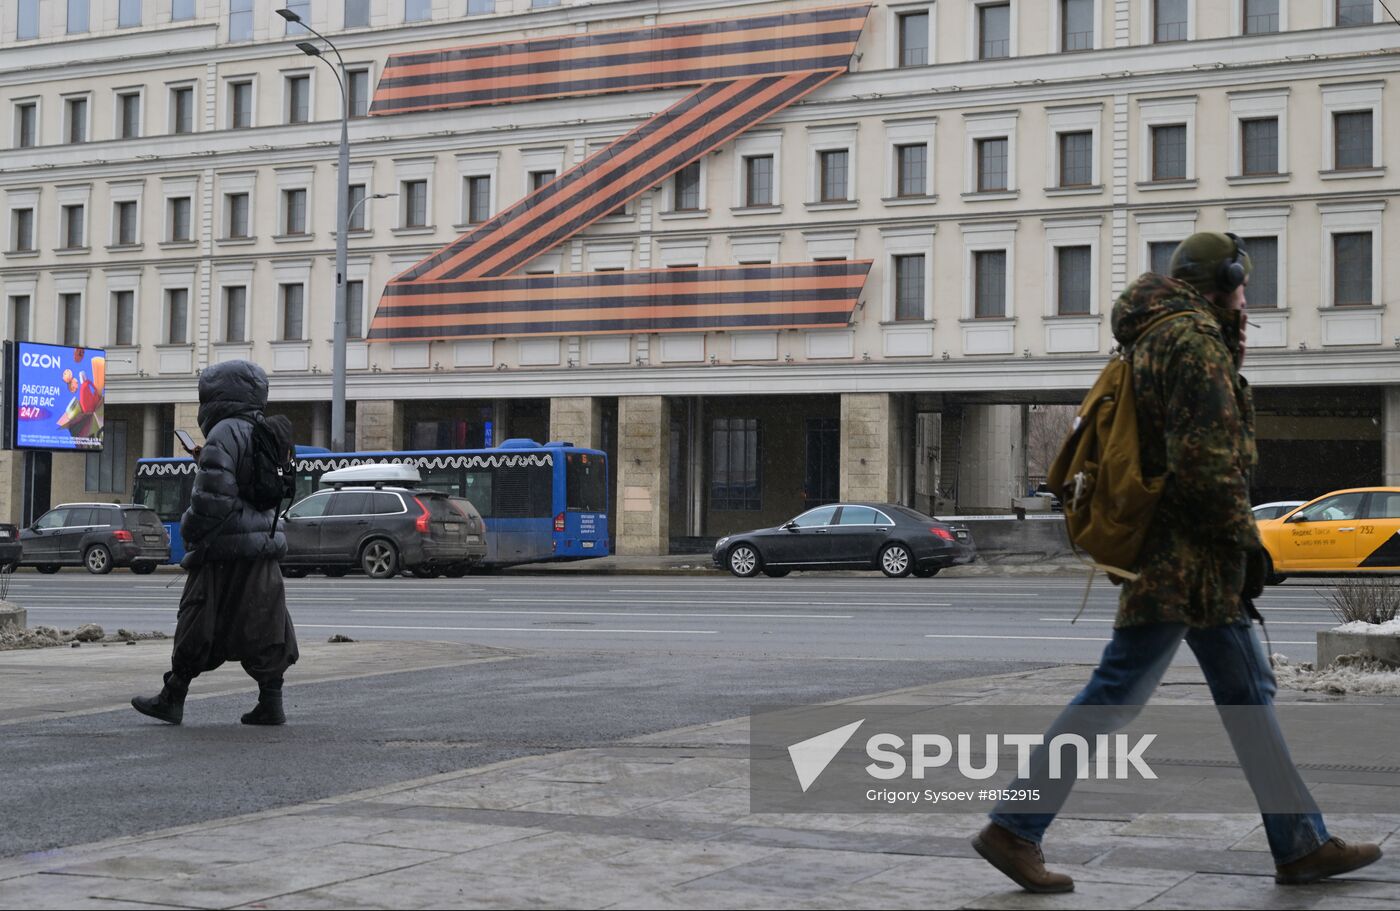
x=1256 y=566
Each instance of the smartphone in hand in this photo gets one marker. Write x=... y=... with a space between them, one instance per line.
x=186 y=442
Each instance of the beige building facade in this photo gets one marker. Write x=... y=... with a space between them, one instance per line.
x=167 y=188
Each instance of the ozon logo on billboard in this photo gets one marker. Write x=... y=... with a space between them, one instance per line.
x=38 y=359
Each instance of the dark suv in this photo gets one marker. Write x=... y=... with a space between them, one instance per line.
x=10 y=548
x=379 y=530
x=98 y=536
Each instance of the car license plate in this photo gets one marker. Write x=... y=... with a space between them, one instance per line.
x=587 y=545
x=962 y=535
x=4 y=533
x=152 y=539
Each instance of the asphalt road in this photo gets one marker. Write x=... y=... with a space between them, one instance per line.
x=845 y=616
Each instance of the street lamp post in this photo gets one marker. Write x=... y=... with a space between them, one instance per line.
x=342 y=225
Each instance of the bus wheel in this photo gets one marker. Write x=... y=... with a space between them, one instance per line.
x=455 y=571
x=143 y=569
x=425 y=572
x=380 y=559
x=47 y=569
x=294 y=572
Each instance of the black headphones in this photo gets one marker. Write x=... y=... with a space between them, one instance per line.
x=1231 y=274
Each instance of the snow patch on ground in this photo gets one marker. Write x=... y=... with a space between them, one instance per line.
x=1351 y=674
x=1389 y=628
x=48 y=637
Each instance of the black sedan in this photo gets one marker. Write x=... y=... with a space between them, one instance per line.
x=894 y=539
x=10 y=548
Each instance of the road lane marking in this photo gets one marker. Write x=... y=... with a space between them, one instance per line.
x=514 y=629
x=1054 y=638
x=708 y=601
x=567 y=613
x=1110 y=620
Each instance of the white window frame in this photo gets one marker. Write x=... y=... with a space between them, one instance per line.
x=674 y=252
x=69 y=283
x=755 y=145
x=670 y=193
x=1345 y=98
x=533 y=160
x=15 y=105
x=825 y=244
x=367 y=67
x=1076 y=118
x=362 y=172
x=1265 y=221
x=228 y=185
x=295 y=178
x=1148 y=9
x=26 y=285
x=87 y=123
x=1377 y=13
x=229 y=82
x=410 y=169
x=1161 y=227
x=982 y=238
x=126 y=191
x=170 y=89
x=118 y=280
x=171 y=188
x=911 y=241
x=297 y=272
x=117 y=95
x=922 y=131
x=234 y=275
x=74 y=195
x=990 y=125
x=1257 y=104
x=756 y=249
x=1161 y=112
x=177 y=278
x=608 y=255
x=1237 y=18
x=1056 y=24
x=1075 y=231
x=476 y=164
x=903 y=9
x=22 y=199
x=1350 y=218
x=296 y=73
x=828 y=138
x=974 y=37
x=359 y=269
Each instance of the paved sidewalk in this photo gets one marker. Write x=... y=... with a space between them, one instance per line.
x=663 y=821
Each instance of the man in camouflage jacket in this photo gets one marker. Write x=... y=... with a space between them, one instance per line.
x=1201 y=561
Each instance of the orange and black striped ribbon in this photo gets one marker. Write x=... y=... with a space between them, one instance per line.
x=746 y=70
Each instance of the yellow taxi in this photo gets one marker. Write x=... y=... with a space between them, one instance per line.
x=1345 y=532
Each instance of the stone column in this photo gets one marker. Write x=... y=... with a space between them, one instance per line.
x=187 y=419
x=150 y=431
x=643 y=476
x=869 y=455
x=377 y=426
x=321 y=424
x=577 y=419
x=990 y=460
x=11 y=486
x=1391 y=442
x=500 y=421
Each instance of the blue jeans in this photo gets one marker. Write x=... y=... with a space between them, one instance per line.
x=1237 y=671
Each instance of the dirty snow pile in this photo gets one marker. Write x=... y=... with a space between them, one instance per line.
x=1388 y=628
x=1350 y=674
x=48 y=637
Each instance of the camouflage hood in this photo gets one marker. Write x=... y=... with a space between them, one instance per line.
x=1153 y=296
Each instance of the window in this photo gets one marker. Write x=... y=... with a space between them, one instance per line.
x=123 y=318
x=1073 y=280
x=124 y=223
x=179 y=207
x=1260 y=17
x=1351 y=269
x=177 y=315
x=1159 y=256
x=77 y=17
x=1351 y=135
x=1077 y=159
x=909 y=287
x=358 y=88
x=758 y=180
x=991 y=164
x=835 y=175
x=911 y=169
x=26 y=125
x=415 y=204
x=22 y=231
x=240 y=20
x=417 y=10
x=76 y=120
x=356 y=203
x=1169 y=152
x=27 y=20
x=293 y=211
x=356 y=13
x=478 y=191
x=539 y=178
x=913 y=39
x=129 y=115
x=1262 y=293
x=235 y=313
x=1168 y=21
x=298 y=99
x=820 y=517
x=1355 y=12
x=240 y=104
x=480 y=7
x=181 y=10
x=994 y=31
x=311 y=507
x=862 y=515
x=70 y=308
x=19 y=317
x=106 y=470
x=990 y=284
x=686 y=188
x=1076 y=25
x=128 y=13
x=1384 y=505
x=293 y=303
x=1340 y=508
x=541 y=4
x=236 y=205
x=354 y=309
x=1259 y=146
x=182 y=109
x=73 y=227
x=734 y=455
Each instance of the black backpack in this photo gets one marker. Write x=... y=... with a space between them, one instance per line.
x=271 y=474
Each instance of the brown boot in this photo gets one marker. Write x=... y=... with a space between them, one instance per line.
x=1334 y=858
x=1019 y=859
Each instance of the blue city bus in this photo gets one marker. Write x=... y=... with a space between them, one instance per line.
x=541 y=502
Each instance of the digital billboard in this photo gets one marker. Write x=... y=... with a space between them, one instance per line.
x=58 y=397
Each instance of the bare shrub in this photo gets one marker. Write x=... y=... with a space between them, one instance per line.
x=1371 y=599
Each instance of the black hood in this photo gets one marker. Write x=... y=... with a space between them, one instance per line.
x=228 y=390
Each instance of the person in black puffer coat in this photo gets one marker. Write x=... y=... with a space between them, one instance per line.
x=234 y=607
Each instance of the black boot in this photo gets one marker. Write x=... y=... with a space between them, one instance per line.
x=169 y=704
x=269 y=707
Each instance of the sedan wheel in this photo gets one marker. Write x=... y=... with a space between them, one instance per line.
x=47 y=569
x=895 y=561
x=743 y=561
x=143 y=569
x=98 y=560
x=380 y=560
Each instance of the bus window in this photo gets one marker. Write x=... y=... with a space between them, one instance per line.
x=444 y=480
x=167 y=494
x=586 y=483
x=523 y=493
x=478 y=489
